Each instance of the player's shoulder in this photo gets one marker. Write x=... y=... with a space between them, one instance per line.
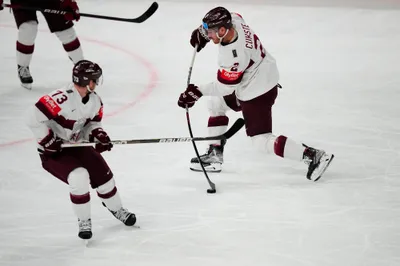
x=96 y=97
x=236 y=17
x=51 y=104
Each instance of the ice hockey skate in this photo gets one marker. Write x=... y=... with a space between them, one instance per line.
x=318 y=161
x=85 y=229
x=25 y=77
x=212 y=160
x=128 y=218
x=125 y=216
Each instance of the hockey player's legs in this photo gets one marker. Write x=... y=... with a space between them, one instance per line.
x=62 y=164
x=79 y=183
x=21 y=15
x=71 y=44
x=217 y=125
x=27 y=32
x=258 y=119
x=68 y=168
x=55 y=22
x=217 y=108
x=27 y=25
x=257 y=113
x=65 y=32
x=99 y=171
x=109 y=195
x=101 y=179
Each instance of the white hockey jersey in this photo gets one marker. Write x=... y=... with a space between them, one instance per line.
x=244 y=66
x=60 y=109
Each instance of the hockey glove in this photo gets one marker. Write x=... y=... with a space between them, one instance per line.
x=102 y=137
x=1 y=5
x=50 y=145
x=189 y=96
x=72 y=8
x=199 y=38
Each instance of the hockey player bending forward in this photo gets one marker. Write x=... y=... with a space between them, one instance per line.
x=248 y=82
x=74 y=114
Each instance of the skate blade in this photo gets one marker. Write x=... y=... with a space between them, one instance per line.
x=325 y=167
x=27 y=86
x=210 y=168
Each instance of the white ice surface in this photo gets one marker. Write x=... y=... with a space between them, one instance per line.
x=341 y=77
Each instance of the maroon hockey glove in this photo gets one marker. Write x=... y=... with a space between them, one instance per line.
x=1 y=5
x=50 y=145
x=72 y=7
x=102 y=137
x=199 y=38
x=189 y=96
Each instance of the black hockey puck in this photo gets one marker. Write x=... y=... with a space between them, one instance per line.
x=211 y=191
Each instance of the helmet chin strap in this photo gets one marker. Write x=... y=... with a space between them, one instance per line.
x=220 y=38
x=88 y=89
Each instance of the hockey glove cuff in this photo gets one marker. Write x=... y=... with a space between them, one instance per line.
x=50 y=145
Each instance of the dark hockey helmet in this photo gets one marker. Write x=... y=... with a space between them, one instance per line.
x=217 y=18
x=84 y=71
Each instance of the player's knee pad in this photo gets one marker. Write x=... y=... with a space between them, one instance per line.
x=217 y=106
x=79 y=181
x=107 y=187
x=27 y=32
x=66 y=36
x=264 y=142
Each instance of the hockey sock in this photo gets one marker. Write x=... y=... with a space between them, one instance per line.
x=217 y=125
x=27 y=33
x=109 y=195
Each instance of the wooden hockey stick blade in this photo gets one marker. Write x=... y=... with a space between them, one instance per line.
x=228 y=134
x=149 y=12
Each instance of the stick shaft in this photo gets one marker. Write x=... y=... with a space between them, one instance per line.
x=150 y=11
x=210 y=183
x=144 y=141
x=239 y=123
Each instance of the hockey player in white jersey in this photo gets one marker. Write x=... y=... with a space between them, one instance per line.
x=247 y=81
x=74 y=114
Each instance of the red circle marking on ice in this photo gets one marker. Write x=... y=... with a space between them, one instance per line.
x=149 y=87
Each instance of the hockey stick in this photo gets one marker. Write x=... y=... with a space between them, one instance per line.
x=149 y=12
x=231 y=131
x=212 y=185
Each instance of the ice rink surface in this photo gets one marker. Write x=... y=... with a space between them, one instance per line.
x=340 y=74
